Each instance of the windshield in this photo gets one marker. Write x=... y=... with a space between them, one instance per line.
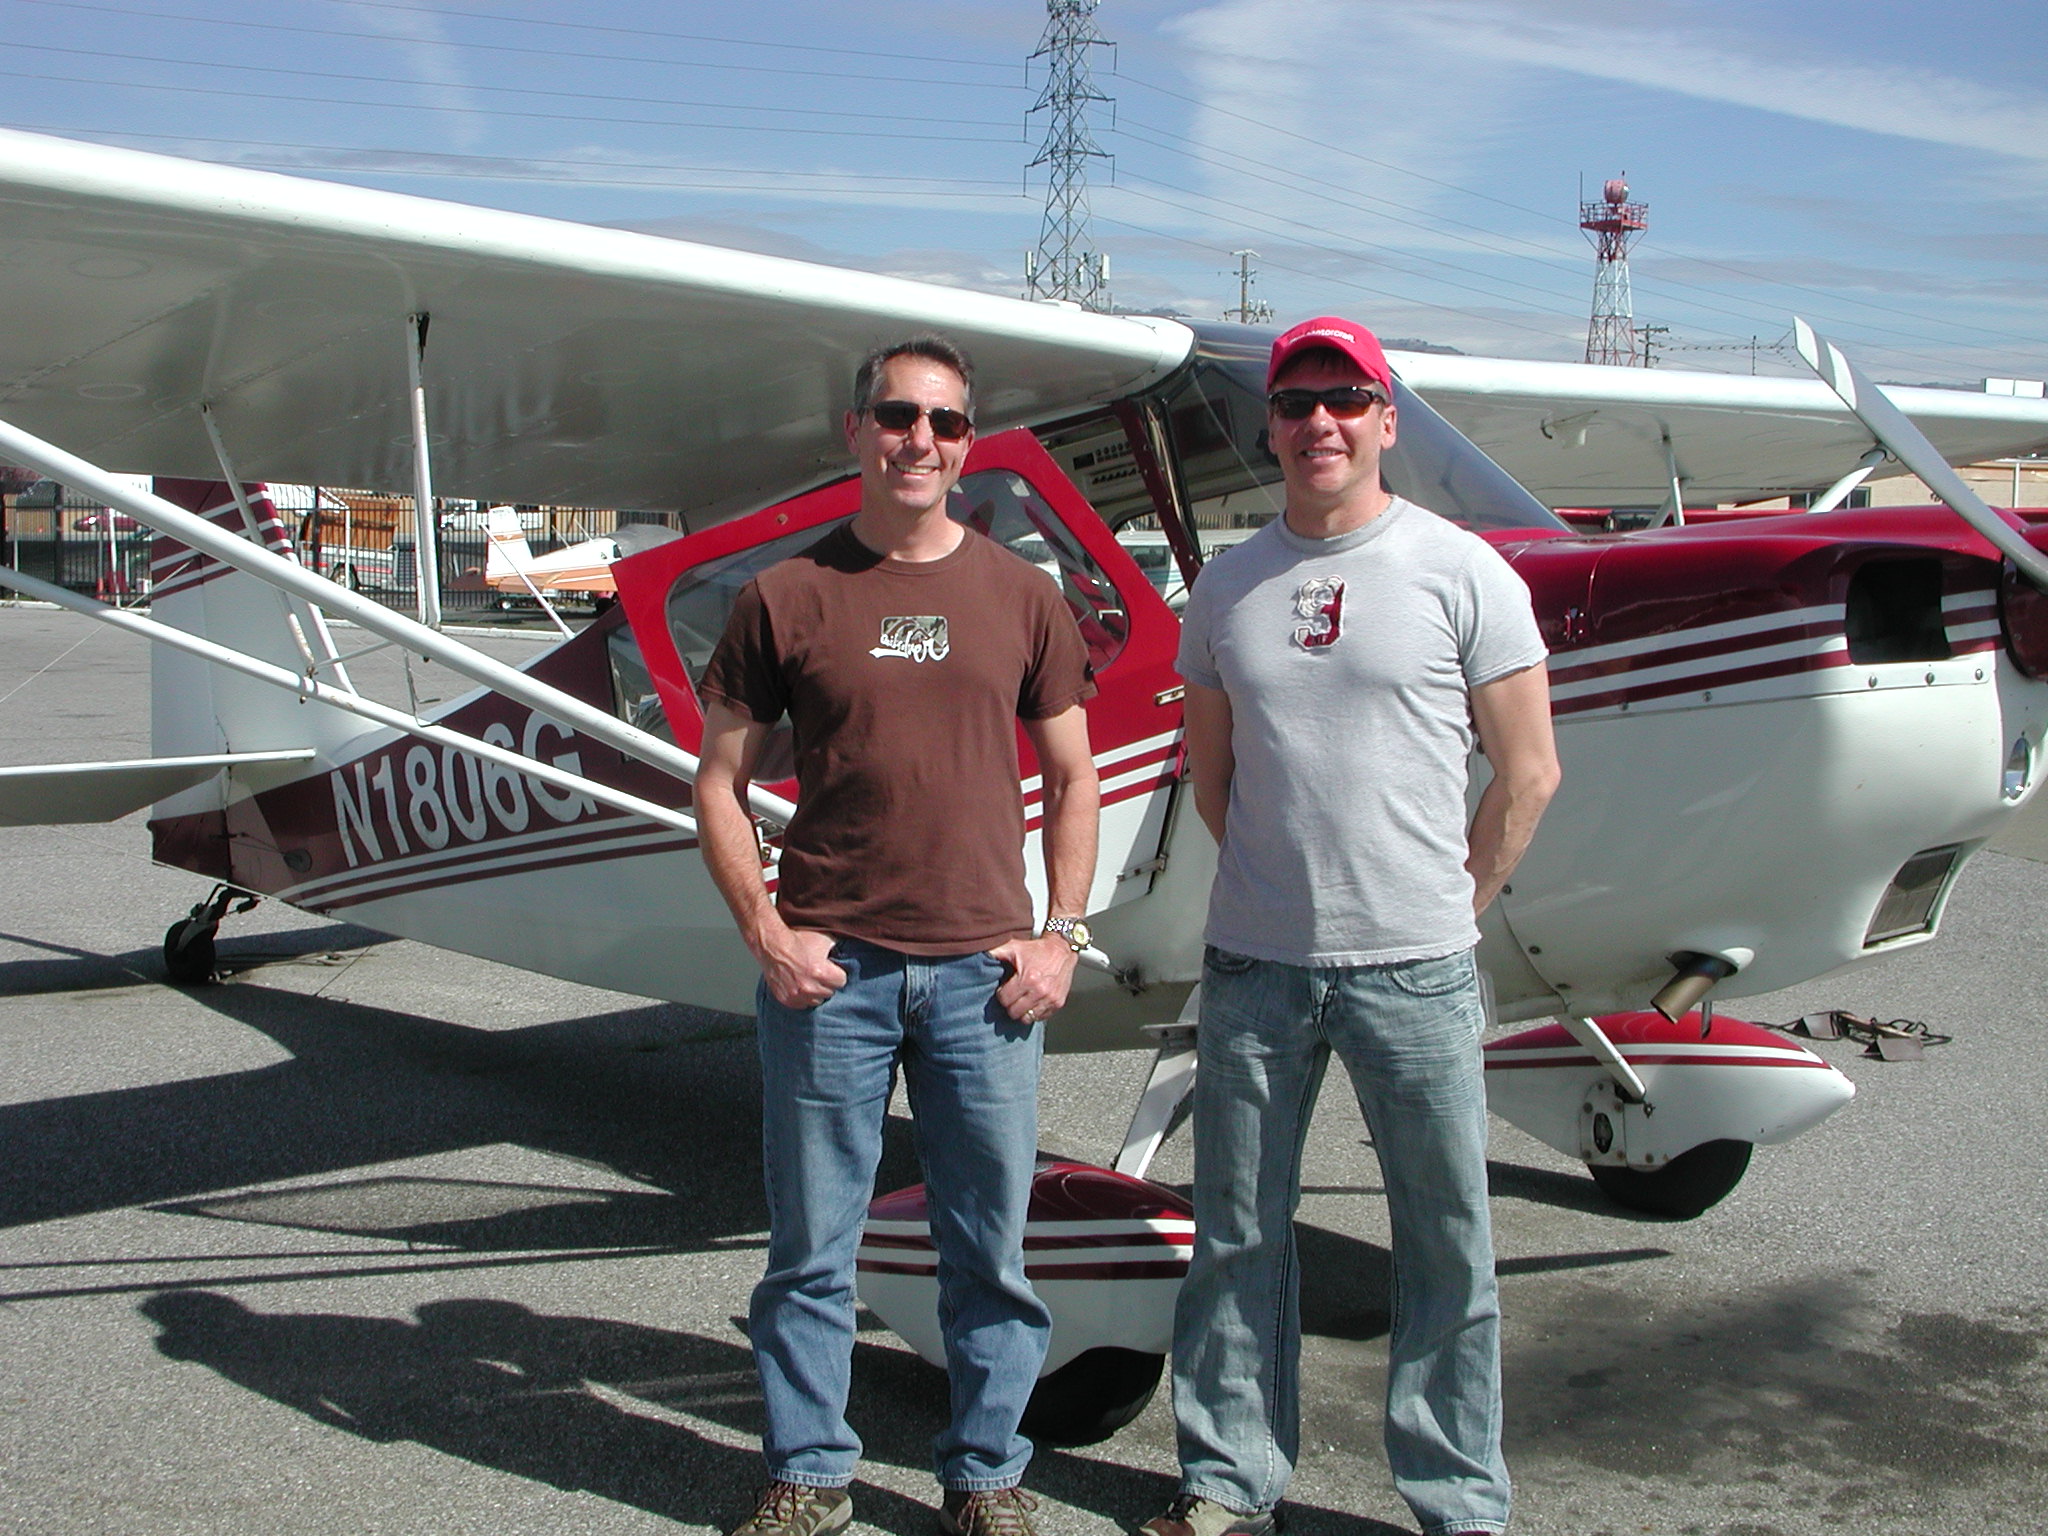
x=1216 y=416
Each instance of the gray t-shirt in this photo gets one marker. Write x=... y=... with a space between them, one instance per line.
x=1349 y=663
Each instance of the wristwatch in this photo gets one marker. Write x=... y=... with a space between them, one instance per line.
x=1073 y=930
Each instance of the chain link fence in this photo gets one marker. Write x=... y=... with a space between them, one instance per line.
x=363 y=539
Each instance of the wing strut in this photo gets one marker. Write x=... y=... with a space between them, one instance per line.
x=426 y=532
x=19 y=447
x=327 y=654
x=1838 y=493
x=1673 y=511
x=1890 y=426
x=354 y=703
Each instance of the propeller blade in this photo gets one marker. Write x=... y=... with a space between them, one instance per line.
x=1906 y=443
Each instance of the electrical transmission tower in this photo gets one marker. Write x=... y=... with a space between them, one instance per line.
x=1249 y=311
x=1613 y=224
x=1062 y=266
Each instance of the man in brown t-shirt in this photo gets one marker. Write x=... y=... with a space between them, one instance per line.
x=905 y=650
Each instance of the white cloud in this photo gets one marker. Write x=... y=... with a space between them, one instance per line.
x=601 y=166
x=1329 y=93
x=1456 y=93
x=423 y=45
x=1613 y=40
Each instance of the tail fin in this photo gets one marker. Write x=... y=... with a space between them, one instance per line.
x=509 y=552
x=198 y=709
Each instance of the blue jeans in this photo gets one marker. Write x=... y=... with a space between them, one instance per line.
x=1409 y=1035
x=826 y=1074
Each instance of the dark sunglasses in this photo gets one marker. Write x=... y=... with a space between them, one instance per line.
x=1347 y=402
x=948 y=425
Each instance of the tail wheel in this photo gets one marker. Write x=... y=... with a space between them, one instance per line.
x=188 y=953
x=1690 y=1183
x=1092 y=1396
x=189 y=957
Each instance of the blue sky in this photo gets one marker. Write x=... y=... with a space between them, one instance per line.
x=1882 y=168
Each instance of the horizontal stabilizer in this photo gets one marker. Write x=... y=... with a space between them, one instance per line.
x=57 y=794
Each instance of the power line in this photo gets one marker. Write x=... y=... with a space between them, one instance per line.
x=1322 y=189
x=1349 y=200
x=554 y=53
x=915 y=186
x=1350 y=252
x=1328 y=279
x=1667 y=282
x=1318 y=277
x=1834 y=296
x=1650 y=281
x=526 y=21
x=300 y=99
x=1195 y=152
x=2012 y=342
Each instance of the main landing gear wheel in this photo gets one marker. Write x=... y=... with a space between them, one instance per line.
x=1690 y=1183
x=1092 y=1396
x=189 y=958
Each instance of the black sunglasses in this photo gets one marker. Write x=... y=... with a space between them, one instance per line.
x=1347 y=402
x=948 y=425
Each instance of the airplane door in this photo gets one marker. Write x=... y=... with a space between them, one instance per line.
x=677 y=597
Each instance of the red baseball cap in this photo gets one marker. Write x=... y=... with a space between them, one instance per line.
x=1345 y=336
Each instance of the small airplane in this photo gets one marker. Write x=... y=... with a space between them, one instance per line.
x=1783 y=738
x=580 y=570
x=583 y=569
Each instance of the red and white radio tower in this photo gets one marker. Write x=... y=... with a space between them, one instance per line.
x=1613 y=224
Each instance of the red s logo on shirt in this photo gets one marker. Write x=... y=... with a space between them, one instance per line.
x=1320 y=600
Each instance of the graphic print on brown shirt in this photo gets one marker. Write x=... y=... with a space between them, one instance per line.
x=903 y=682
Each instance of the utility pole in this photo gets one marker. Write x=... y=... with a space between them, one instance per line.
x=1648 y=334
x=1249 y=311
x=1062 y=266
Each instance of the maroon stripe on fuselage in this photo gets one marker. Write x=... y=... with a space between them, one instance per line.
x=1700 y=682
x=1142 y=1269
x=1790 y=1058
x=1564 y=670
x=574 y=850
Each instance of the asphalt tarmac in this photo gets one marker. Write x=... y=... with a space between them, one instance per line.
x=373 y=1238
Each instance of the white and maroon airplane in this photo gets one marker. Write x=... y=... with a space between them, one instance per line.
x=1783 y=738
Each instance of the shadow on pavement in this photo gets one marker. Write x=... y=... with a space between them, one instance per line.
x=632 y=1091
x=606 y=1408
x=70 y=969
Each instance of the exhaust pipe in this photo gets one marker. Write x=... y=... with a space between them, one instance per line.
x=1694 y=976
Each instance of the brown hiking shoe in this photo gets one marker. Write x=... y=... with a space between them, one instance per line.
x=1191 y=1515
x=795 y=1509
x=988 y=1512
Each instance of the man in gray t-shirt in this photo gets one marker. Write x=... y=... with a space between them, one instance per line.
x=1341 y=665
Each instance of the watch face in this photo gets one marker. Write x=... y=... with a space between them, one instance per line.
x=1072 y=929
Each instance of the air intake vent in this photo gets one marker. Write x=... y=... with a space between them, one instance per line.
x=1909 y=901
x=1894 y=612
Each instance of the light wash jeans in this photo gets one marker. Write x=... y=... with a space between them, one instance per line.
x=826 y=1073
x=1409 y=1035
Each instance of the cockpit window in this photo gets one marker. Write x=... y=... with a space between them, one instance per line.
x=1215 y=415
x=1002 y=504
x=996 y=502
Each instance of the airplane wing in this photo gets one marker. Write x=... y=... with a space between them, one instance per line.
x=579 y=365
x=1589 y=436
x=565 y=363
x=64 y=794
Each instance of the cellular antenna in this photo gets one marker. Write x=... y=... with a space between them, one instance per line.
x=1613 y=224
x=1061 y=266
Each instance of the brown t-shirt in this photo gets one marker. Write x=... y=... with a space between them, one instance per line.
x=903 y=682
